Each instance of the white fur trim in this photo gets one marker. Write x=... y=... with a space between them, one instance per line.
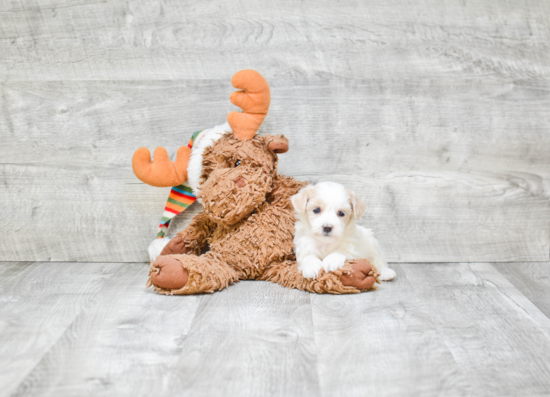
x=205 y=139
x=156 y=247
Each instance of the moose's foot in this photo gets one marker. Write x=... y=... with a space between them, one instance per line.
x=168 y=273
x=190 y=274
x=362 y=276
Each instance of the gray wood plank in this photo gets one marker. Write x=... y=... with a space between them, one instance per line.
x=253 y=339
x=38 y=303
x=500 y=340
x=452 y=169
x=90 y=40
x=123 y=343
x=383 y=343
x=532 y=279
x=10 y=272
x=439 y=329
x=489 y=273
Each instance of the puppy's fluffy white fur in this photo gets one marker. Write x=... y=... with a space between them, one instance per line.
x=326 y=232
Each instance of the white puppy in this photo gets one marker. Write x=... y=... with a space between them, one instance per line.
x=327 y=234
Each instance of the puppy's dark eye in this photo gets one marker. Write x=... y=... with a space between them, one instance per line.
x=316 y=210
x=237 y=163
x=340 y=214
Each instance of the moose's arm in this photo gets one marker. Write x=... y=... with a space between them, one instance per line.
x=192 y=239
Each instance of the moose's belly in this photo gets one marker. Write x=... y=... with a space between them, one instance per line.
x=263 y=238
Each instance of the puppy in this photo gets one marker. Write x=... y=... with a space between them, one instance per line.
x=326 y=233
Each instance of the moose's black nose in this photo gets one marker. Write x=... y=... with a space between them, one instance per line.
x=327 y=228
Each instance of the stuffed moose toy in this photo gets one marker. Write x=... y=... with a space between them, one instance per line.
x=245 y=231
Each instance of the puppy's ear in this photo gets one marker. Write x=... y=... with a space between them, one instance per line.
x=357 y=206
x=299 y=200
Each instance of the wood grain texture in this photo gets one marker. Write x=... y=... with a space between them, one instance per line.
x=499 y=339
x=10 y=272
x=452 y=169
x=38 y=303
x=383 y=343
x=532 y=279
x=435 y=113
x=253 y=339
x=69 y=329
x=172 y=39
x=123 y=344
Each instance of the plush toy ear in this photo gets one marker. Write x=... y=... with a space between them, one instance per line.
x=276 y=143
x=357 y=206
x=300 y=199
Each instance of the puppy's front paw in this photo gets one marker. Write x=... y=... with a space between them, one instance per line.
x=387 y=274
x=310 y=266
x=334 y=261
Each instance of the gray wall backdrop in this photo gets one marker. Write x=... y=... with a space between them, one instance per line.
x=435 y=112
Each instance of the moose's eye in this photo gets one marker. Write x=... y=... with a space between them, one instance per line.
x=237 y=163
x=316 y=210
x=341 y=214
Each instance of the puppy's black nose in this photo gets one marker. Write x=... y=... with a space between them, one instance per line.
x=327 y=228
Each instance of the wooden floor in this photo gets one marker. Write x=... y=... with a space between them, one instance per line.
x=72 y=329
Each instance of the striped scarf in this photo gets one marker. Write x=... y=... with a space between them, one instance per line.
x=179 y=199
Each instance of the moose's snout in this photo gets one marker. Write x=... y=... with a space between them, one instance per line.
x=327 y=228
x=239 y=181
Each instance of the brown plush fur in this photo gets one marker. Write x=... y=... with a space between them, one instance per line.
x=248 y=225
x=206 y=273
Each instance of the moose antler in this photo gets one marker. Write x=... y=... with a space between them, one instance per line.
x=161 y=172
x=253 y=98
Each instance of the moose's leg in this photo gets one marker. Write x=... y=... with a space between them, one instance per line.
x=357 y=275
x=363 y=275
x=190 y=274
